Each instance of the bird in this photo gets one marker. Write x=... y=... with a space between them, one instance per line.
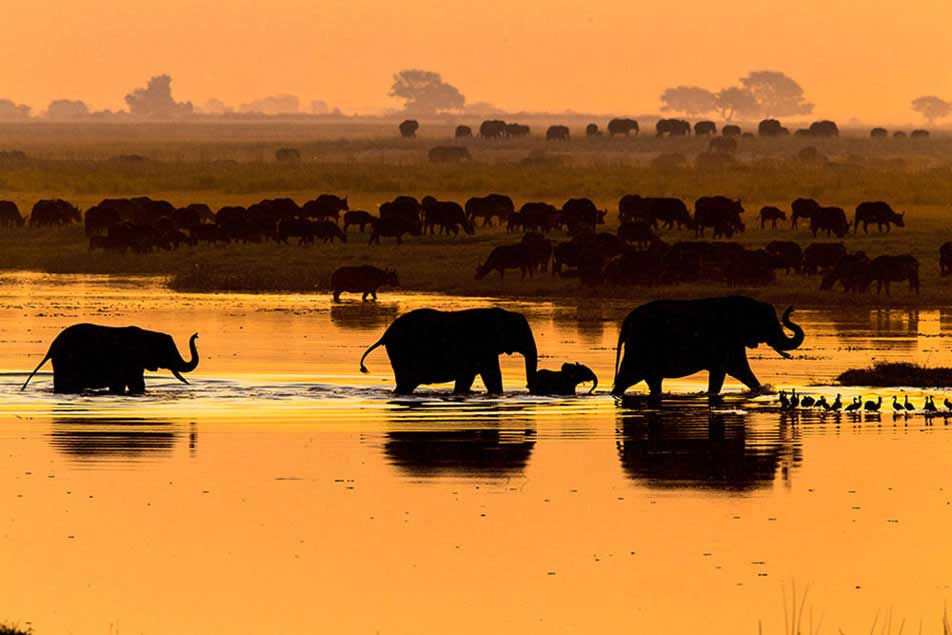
x=855 y=405
x=795 y=399
x=908 y=406
x=948 y=404
x=897 y=407
x=837 y=404
x=929 y=405
x=821 y=403
x=873 y=406
x=784 y=402
x=807 y=401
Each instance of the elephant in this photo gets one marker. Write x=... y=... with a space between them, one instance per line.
x=564 y=381
x=426 y=346
x=90 y=356
x=676 y=338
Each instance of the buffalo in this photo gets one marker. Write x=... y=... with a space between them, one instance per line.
x=10 y=215
x=770 y=214
x=557 y=133
x=449 y=154
x=720 y=213
x=877 y=212
x=786 y=255
x=802 y=208
x=672 y=128
x=821 y=257
x=492 y=129
x=54 y=212
x=878 y=133
x=506 y=257
x=463 y=132
x=393 y=228
x=359 y=218
x=824 y=128
x=731 y=130
x=591 y=130
x=832 y=220
x=771 y=128
x=705 y=128
x=363 y=279
x=489 y=207
x=945 y=258
x=447 y=215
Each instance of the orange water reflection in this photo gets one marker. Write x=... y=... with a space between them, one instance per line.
x=284 y=492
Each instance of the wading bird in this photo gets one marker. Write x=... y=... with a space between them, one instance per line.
x=908 y=406
x=795 y=400
x=856 y=404
x=873 y=406
x=807 y=402
x=837 y=403
x=784 y=402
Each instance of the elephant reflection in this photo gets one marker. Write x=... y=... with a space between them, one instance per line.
x=700 y=449
x=475 y=446
x=103 y=439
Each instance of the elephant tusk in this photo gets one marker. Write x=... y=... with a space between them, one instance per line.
x=179 y=377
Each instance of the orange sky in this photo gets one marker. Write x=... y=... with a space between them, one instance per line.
x=865 y=59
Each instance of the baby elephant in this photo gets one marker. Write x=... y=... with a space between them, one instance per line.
x=562 y=382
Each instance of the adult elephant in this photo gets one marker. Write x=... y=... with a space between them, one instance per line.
x=671 y=338
x=89 y=356
x=426 y=346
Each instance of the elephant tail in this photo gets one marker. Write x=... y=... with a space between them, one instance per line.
x=49 y=354
x=367 y=352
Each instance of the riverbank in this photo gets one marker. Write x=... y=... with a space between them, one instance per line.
x=448 y=264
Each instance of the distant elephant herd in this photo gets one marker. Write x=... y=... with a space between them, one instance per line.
x=498 y=129
x=658 y=340
x=635 y=254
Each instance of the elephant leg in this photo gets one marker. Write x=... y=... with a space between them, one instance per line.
x=492 y=377
x=337 y=296
x=654 y=387
x=363 y=298
x=405 y=386
x=715 y=382
x=373 y=294
x=136 y=384
x=741 y=371
x=117 y=387
x=464 y=384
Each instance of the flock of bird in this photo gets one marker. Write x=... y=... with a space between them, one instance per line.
x=794 y=401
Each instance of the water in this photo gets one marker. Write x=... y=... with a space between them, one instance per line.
x=283 y=491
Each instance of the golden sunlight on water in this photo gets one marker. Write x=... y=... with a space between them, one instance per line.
x=283 y=491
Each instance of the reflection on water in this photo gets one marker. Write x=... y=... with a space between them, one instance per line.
x=700 y=448
x=105 y=439
x=363 y=315
x=369 y=513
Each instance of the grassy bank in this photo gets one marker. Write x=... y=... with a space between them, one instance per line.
x=447 y=265
x=897 y=374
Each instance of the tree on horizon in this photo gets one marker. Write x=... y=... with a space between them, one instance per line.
x=425 y=92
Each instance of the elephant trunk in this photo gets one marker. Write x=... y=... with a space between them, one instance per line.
x=781 y=343
x=532 y=360
x=181 y=366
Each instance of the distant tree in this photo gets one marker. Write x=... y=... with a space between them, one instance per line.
x=736 y=101
x=319 y=107
x=214 y=106
x=273 y=105
x=689 y=100
x=425 y=92
x=932 y=108
x=10 y=111
x=155 y=100
x=776 y=94
x=67 y=109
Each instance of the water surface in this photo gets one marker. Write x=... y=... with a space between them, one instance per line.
x=283 y=491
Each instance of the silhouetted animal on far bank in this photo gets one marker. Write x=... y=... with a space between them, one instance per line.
x=463 y=132
x=769 y=214
x=516 y=130
x=557 y=133
x=820 y=257
x=622 y=126
x=393 y=228
x=448 y=216
x=359 y=218
x=89 y=356
x=851 y=271
x=887 y=269
x=307 y=231
x=720 y=213
x=832 y=220
x=668 y=338
x=506 y=257
x=53 y=212
x=563 y=381
x=824 y=128
x=10 y=215
x=771 y=128
x=287 y=155
x=703 y=128
x=786 y=255
x=408 y=128
x=878 y=133
x=591 y=130
x=363 y=279
x=802 y=208
x=731 y=130
x=877 y=212
x=324 y=207
x=489 y=207
x=492 y=129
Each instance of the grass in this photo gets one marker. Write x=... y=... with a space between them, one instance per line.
x=14 y=629
x=189 y=163
x=888 y=374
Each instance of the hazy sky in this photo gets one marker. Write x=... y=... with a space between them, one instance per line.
x=867 y=59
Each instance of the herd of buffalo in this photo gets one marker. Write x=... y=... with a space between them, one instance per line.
x=634 y=254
